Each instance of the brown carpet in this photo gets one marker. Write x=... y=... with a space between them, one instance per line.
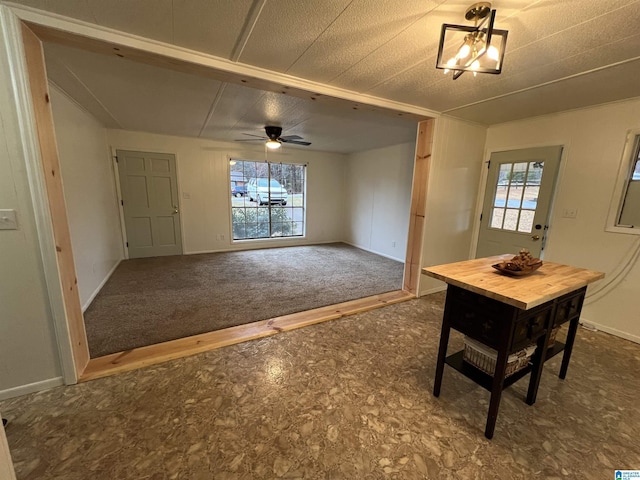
x=153 y=300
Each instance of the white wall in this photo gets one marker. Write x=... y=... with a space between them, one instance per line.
x=456 y=162
x=378 y=199
x=594 y=139
x=204 y=188
x=90 y=194
x=28 y=352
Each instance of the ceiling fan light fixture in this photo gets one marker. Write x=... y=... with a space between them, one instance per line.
x=273 y=144
x=479 y=48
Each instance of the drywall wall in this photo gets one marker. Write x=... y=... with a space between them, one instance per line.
x=204 y=188
x=594 y=140
x=378 y=199
x=28 y=350
x=90 y=194
x=454 y=175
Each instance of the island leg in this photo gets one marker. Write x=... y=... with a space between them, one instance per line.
x=568 y=348
x=442 y=351
x=496 y=392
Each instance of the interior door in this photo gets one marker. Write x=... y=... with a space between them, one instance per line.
x=517 y=201
x=150 y=201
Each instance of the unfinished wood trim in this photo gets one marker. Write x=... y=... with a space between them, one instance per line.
x=183 y=347
x=34 y=58
x=421 y=166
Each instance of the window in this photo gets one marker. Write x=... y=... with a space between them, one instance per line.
x=625 y=208
x=267 y=199
x=516 y=196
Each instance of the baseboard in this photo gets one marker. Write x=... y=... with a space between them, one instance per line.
x=97 y=290
x=610 y=330
x=30 y=388
x=373 y=251
x=432 y=290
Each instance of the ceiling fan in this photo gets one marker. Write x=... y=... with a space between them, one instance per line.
x=273 y=138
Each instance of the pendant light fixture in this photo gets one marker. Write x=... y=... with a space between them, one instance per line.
x=478 y=48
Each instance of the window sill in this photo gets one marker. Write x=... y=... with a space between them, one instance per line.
x=623 y=230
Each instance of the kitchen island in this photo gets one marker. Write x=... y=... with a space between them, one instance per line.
x=508 y=313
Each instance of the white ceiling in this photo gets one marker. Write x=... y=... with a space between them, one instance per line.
x=560 y=55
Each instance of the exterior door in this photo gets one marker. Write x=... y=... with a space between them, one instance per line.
x=517 y=201
x=150 y=201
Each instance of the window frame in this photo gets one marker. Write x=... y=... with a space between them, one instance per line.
x=289 y=238
x=623 y=178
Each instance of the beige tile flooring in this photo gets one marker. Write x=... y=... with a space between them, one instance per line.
x=346 y=399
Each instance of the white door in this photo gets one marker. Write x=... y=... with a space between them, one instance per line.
x=517 y=201
x=150 y=201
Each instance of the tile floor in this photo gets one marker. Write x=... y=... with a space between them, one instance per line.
x=346 y=399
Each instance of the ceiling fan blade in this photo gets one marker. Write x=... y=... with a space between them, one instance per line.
x=295 y=142
x=258 y=136
x=290 y=137
x=249 y=140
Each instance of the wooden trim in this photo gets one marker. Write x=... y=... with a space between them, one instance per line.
x=34 y=58
x=183 y=347
x=422 y=163
x=6 y=464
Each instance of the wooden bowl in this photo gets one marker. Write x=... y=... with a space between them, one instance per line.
x=518 y=273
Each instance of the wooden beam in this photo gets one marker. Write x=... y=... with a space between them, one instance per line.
x=183 y=347
x=34 y=57
x=422 y=163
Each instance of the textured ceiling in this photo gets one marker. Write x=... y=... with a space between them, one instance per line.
x=560 y=55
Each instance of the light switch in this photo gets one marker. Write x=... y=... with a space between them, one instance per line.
x=8 y=220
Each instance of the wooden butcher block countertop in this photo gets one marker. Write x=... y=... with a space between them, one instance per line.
x=550 y=281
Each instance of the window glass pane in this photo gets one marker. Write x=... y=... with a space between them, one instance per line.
x=497 y=217
x=510 y=219
x=526 y=221
x=534 y=175
x=501 y=196
x=635 y=176
x=530 y=199
x=515 y=196
x=504 y=174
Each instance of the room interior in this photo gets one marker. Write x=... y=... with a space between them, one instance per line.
x=563 y=83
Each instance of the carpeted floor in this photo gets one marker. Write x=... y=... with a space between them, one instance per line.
x=153 y=300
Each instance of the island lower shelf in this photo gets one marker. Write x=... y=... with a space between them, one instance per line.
x=456 y=361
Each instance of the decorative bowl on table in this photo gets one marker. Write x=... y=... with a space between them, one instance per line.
x=520 y=265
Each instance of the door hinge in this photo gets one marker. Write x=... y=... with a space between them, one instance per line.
x=489 y=164
x=122 y=202
x=480 y=217
x=116 y=159
x=127 y=244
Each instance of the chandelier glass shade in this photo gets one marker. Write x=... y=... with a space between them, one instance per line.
x=478 y=48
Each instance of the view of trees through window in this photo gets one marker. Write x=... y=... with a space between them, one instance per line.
x=268 y=199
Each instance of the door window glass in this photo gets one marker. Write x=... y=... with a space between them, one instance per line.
x=516 y=196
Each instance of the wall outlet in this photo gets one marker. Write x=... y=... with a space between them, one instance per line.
x=393 y=244
x=570 y=213
x=186 y=195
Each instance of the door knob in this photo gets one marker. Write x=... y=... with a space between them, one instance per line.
x=535 y=237
x=175 y=209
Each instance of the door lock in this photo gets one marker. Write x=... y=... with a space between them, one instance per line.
x=535 y=237
x=175 y=209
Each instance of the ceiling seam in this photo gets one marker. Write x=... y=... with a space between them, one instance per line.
x=319 y=35
x=385 y=43
x=550 y=82
x=247 y=29
x=569 y=28
x=88 y=90
x=212 y=109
